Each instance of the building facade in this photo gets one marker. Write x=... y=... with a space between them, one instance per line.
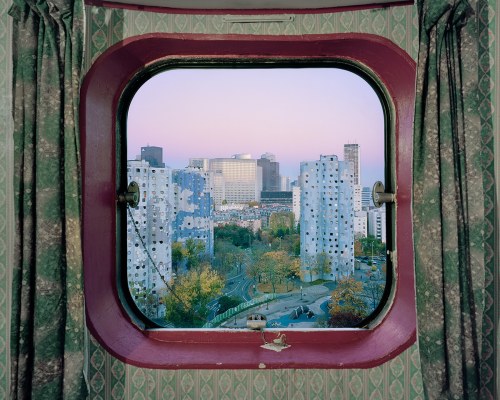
x=193 y=207
x=271 y=181
x=153 y=155
x=326 y=218
x=377 y=223
x=351 y=155
x=149 y=236
x=237 y=179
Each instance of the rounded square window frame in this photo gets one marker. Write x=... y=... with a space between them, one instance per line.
x=109 y=316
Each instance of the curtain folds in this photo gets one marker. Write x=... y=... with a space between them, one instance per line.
x=47 y=328
x=448 y=201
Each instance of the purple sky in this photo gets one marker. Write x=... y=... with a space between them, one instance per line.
x=296 y=114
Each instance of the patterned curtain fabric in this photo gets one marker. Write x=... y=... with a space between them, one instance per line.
x=47 y=338
x=448 y=201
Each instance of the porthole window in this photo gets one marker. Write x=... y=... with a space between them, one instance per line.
x=163 y=346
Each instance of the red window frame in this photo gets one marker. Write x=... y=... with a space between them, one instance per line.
x=107 y=316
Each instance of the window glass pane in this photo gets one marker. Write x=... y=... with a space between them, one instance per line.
x=255 y=198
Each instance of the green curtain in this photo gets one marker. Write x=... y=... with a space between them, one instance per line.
x=47 y=338
x=448 y=200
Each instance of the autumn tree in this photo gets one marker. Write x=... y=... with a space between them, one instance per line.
x=347 y=308
x=321 y=265
x=275 y=266
x=187 y=303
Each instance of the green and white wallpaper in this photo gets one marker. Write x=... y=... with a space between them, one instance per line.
x=398 y=379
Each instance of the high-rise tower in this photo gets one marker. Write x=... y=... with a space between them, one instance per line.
x=153 y=155
x=326 y=219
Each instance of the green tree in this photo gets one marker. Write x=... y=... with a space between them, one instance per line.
x=194 y=250
x=224 y=255
x=227 y=302
x=187 y=303
x=347 y=308
x=178 y=255
x=281 y=223
x=237 y=235
x=369 y=244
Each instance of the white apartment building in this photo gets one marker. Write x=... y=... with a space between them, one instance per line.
x=326 y=217
x=377 y=223
x=360 y=223
x=296 y=203
x=351 y=155
x=153 y=221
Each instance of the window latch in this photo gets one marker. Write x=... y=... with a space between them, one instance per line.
x=131 y=196
x=379 y=196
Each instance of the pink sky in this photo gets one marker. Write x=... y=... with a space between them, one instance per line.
x=296 y=114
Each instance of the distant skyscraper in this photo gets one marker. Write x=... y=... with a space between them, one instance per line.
x=366 y=198
x=270 y=173
x=285 y=183
x=153 y=220
x=193 y=206
x=241 y=179
x=153 y=155
x=326 y=218
x=200 y=163
x=351 y=154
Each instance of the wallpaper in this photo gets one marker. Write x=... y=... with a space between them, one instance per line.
x=397 y=379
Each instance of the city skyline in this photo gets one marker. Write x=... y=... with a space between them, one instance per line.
x=315 y=101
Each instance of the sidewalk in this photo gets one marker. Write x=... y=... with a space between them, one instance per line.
x=312 y=296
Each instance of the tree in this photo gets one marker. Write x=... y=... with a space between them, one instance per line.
x=187 y=303
x=374 y=292
x=347 y=308
x=321 y=265
x=194 y=250
x=274 y=266
x=369 y=244
x=227 y=302
x=281 y=223
x=224 y=255
x=145 y=299
x=178 y=255
x=237 y=235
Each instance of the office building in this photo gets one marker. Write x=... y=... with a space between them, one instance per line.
x=153 y=155
x=270 y=173
x=236 y=180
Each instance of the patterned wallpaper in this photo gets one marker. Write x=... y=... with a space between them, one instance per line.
x=112 y=379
